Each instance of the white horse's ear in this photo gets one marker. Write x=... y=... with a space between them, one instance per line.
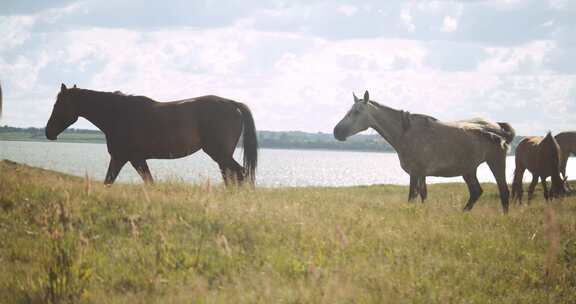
x=63 y=87
x=356 y=99
x=366 y=96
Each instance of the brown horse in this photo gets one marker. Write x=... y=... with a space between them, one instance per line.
x=567 y=142
x=429 y=147
x=138 y=128
x=541 y=156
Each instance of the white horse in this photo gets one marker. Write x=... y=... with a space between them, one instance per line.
x=429 y=147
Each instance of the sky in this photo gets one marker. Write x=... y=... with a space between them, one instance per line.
x=296 y=63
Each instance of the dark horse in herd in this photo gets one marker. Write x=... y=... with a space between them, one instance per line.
x=542 y=156
x=138 y=128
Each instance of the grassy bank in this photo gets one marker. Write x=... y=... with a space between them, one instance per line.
x=71 y=240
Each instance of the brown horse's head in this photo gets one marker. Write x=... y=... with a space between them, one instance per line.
x=355 y=121
x=63 y=115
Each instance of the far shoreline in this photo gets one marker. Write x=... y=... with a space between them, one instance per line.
x=239 y=147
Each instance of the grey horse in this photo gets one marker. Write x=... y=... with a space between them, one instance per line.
x=429 y=147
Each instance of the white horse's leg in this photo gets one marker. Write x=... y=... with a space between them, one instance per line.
x=474 y=188
x=413 y=188
x=423 y=189
x=498 y=168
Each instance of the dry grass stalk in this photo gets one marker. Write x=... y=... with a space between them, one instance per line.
x=146 y=196
x=133 y=227
x=64 y=217
x=552 y=232
x=222 y=241
x=87 y=184
x=342 y=238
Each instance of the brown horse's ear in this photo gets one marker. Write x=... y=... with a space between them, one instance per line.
x=356 y=99
x=366 y=97
x=74 y=87
x=63 y=87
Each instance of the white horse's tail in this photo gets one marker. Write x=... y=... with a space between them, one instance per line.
x=501 y=133
x=508 y=131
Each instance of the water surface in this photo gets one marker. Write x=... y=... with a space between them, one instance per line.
x=276 y=167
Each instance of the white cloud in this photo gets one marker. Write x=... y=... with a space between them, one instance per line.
x=562 y=4
x=14 y=30
x=346 y=9
x=449 y=24
x=406 y=18
x=54 y=14
x=527 y=58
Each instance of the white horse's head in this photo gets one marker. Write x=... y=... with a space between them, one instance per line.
x=356 y=120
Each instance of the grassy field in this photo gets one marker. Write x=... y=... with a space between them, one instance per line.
x=65 y=239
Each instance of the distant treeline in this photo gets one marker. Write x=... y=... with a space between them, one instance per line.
x=267 y=139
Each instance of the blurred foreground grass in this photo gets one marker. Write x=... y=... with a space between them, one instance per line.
x=65 y=239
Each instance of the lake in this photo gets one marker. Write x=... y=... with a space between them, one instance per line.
x=277 y=168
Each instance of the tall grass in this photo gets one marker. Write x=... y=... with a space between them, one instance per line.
x=71 y=239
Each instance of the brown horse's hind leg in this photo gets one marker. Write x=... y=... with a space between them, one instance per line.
x=232 y=172
x=474 y=188
x=498 y=168
x=532 y=187
x=423 y=189
x=142 y=168
x=517 y=191
x=113 y=169
x=544 y=187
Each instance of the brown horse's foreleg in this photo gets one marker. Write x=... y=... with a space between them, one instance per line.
x=498 y=168
x=545 y=187
x=423 y=189
x=532 y=187
x=141 y=167
x=474 y=189
x=113 y=169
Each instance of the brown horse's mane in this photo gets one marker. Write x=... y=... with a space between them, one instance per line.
x=116 y=96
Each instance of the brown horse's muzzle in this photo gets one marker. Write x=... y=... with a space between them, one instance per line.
x=54 y=127
x=51 y=135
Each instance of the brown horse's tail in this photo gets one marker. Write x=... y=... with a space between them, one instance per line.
x=250 y=142
x=550 y=147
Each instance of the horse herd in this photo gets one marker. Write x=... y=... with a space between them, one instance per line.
x=138 y=128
